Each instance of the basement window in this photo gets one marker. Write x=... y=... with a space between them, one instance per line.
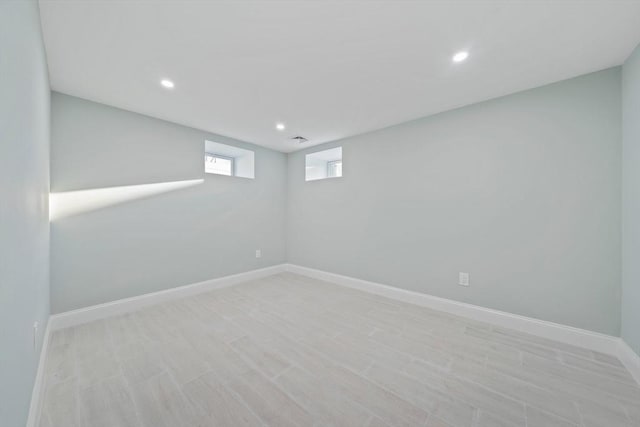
x=223 y=159
x=215 y=163
x=323 y=164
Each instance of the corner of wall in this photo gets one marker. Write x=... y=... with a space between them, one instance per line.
x=630 y=292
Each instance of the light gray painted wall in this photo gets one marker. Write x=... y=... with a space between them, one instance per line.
x=24 y=190
x=631 y=201
x=163 y=241
x=522 y=192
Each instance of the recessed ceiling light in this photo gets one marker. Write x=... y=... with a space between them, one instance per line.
x=167 y=83
x=280 y=126
x=460 y=56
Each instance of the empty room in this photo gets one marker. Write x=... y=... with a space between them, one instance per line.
x=312 y=213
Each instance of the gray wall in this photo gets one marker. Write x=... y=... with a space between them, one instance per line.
x=522 y=192
x=163 y=241
x=24 y=189
x=631 y=201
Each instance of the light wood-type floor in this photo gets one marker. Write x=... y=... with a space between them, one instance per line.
x=292 y=351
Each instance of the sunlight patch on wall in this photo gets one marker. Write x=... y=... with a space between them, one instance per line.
x=68 y=203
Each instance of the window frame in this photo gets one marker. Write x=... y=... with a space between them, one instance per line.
x=232 y=160
x=331 y=163
x=319 y=163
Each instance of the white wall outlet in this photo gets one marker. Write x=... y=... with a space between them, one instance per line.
x=463 y=279
x=35 y=334
x=258 y=253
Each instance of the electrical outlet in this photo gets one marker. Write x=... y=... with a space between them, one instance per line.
x=35 y=334
x=258 y=253
x=463 y=279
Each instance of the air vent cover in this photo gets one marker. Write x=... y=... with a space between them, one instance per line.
x=300 y=139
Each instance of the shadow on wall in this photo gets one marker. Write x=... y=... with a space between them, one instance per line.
x=69 y=203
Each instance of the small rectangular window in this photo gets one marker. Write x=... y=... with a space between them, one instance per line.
x=323 y=164
x=223 y=159
x=215 y=163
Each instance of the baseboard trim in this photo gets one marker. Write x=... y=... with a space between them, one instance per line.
x=554 y=331
x=568 y=334
x=37 y=393
x=126 y=305
x=629 y=359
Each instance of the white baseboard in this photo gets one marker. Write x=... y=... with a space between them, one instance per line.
x=113 y=308
x=554 y=331
x=629 y=359
x=575 y=336
x=38 y=385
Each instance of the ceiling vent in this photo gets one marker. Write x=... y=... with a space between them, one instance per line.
x=300 y=139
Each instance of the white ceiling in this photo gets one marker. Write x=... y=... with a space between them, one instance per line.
x=328 y=69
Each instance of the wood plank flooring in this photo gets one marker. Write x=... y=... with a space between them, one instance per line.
x=292 y=351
